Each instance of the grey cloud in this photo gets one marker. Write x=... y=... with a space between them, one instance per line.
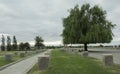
x=28 y=18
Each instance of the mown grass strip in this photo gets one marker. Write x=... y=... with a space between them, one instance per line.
x=65 y=63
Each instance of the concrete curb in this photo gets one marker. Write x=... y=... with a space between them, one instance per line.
x=27 y=71
x=5 y=66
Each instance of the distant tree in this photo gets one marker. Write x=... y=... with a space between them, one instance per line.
x=39 y=42
x=14 y=45
x=101 y=45
x=26 y=46
x=87 y=25
x=118 y=46
x=9 y=47
x=3 y=43
x=21 y=46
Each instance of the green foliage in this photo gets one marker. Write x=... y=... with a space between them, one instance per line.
x=87 y=25
x=39 y=42
x=3 y=43
x=27 y=46
x=21 y=46
x=14 y=45
x=24 y=46
x=9 y=47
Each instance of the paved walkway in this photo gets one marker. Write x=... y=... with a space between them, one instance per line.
x=98 y=53
x=23 y=66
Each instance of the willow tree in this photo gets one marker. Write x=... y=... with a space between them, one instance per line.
x=87 y=25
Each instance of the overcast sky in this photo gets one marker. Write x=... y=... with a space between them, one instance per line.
x=27 y=18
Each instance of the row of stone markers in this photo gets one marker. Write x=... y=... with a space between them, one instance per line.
x=21 y=54
x=72 y=50
x=8 y=57
x=107 y=58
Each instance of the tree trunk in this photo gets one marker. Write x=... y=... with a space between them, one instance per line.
x=85 y=47
x=71 y=46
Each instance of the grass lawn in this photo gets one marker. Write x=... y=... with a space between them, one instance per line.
x=65 y=63
x=6 y=52
x=14 y=57
x=3 y=61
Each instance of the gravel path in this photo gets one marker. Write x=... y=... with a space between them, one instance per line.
x=23 y=66
x=98 y=52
